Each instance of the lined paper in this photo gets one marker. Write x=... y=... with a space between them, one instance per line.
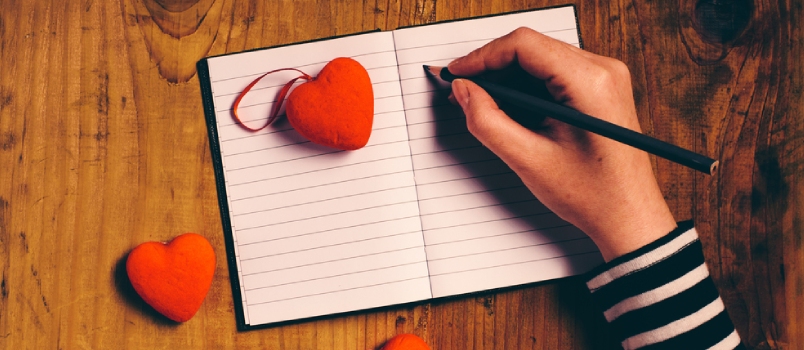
x=318 y=231
x=482 y=227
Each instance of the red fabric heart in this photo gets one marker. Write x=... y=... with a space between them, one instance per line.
x=406 y=342
x=336 y=109
x=173 y=278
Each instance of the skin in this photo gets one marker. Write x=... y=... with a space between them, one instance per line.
x=605 y=188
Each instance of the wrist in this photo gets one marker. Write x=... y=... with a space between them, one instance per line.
x=635 y=232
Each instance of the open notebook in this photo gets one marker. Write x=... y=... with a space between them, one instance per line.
x=423 y=211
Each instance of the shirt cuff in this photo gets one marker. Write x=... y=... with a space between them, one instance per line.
x=661 y=296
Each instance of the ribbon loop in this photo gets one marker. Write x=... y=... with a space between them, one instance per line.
x=280 y=99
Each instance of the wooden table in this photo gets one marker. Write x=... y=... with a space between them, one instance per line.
x=103 y=146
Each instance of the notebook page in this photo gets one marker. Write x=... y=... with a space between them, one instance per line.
x=318 y=231
x=483 y=229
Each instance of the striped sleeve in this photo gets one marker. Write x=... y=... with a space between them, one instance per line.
x=661 y=296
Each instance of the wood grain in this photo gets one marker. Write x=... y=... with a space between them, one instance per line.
x=103 y=146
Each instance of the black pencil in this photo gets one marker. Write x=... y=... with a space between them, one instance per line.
x=587 y=122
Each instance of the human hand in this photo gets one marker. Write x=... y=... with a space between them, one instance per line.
x=605 y=188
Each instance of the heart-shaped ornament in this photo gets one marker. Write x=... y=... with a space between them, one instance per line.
x=406 y=342
x=335 y=109
x=173 y=277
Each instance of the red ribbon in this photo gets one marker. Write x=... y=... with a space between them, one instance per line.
x=279 y=99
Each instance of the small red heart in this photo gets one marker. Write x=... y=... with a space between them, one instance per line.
x=173 y=278
x=406 y=342
x=336 y=109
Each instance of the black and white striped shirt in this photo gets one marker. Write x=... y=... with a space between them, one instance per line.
x=661 y=296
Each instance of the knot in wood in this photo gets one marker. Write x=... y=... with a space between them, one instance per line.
x=719 y=21
x=176 y=5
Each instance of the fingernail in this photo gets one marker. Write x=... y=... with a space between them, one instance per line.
x=461 y=92
x=454 y=62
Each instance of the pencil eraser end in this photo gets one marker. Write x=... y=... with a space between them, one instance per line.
x=714 y=167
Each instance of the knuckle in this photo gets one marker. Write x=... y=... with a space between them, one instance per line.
x=522 y=32
x=602 y=76
x=620 y=69
x=612 y=73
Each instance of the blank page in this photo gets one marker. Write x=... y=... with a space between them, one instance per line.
x=483 y=229
x=318 y=231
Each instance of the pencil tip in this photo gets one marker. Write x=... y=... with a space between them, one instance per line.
x=431 y=71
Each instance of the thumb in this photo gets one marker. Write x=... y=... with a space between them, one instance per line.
x=512 y=142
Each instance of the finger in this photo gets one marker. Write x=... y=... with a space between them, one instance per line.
x=452 y=99
x=513 y=143
x=540 y=55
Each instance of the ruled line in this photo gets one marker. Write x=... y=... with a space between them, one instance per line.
x=473 y=40
x=221 y=124
x=280 y=85
x=490 y=161
x=512 y=264
x=473 y=177
x=243 y=107
x=317 y=170
x=435 y=121
x=325 y=184
x=473 y=192
x=309 y=156
x=500 y=204
x=341 y=290
x=336 y=276
x=483 y=222
x=509 y=249
x=325 y=215
x=462 y=132
x=321 y=200
x=298 y=67
x=328 y=230
x=330 y=246
x=499 y=235
x=294 y=143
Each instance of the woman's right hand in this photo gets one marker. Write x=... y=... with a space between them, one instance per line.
x=605 y=188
